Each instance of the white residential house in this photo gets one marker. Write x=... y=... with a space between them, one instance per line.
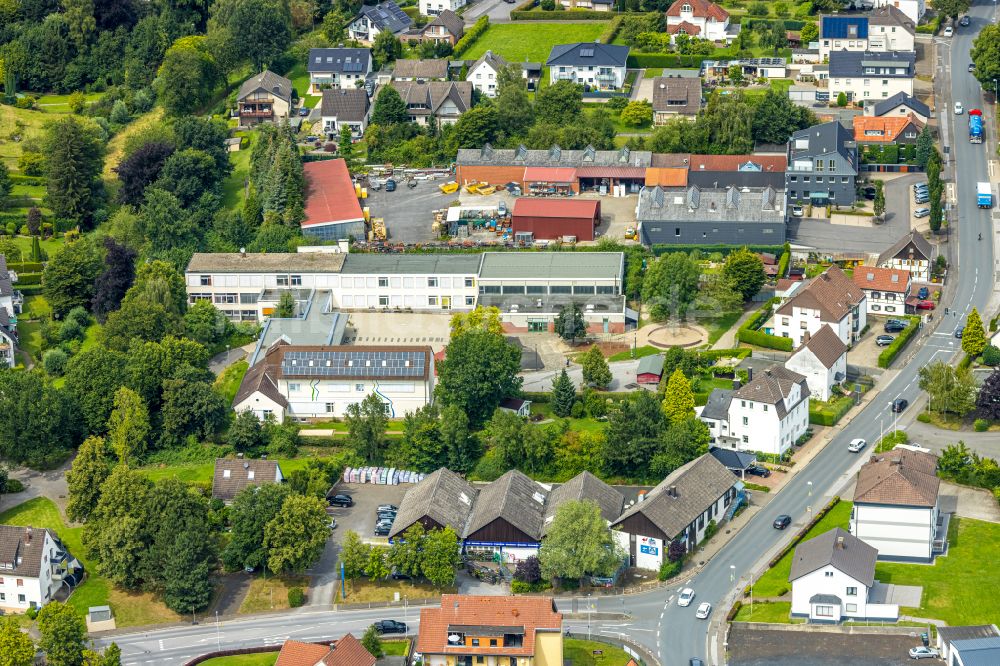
x=305 y=381
x=11 y=301
x=896 y=506
x=831 y=298
x=345 y=107
x=822 y=360
x=374 y=19
x=885 y=289
x=767 y=414
x=885 y=29
x=591 y=64
x=482 y=74
x=435 y=7
x=912 y=253
x=34 y=564
x=914 y=9
x=831 y=578
x=871 y=76
x=701 y=19
x=337 y=68
x=679 y=508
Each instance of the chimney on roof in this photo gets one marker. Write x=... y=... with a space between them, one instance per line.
x=673 y=491
x=805 y=337
x=246 y=465
x=749 y=375
x=840 y=542
x=27 y=538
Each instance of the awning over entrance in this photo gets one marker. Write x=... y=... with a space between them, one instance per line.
x=550 y=174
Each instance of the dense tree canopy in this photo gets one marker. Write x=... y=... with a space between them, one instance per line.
x=479 y=370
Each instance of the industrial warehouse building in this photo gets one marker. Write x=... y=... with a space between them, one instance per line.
x=555 y=219
x=332 y=208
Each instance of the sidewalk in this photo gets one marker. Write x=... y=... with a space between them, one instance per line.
x=728 y=339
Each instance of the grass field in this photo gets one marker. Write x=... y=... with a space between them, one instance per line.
x=10 y=119
x=60 y=103
x=519 y=42
x=775 y=582
x=49 y=246
x=364 y=591
x=271 y=593
x=261 y=659
x=395 y=648
x=117 y=144
x=581 y=653
x=129 y=609
x=580 y=425
x=232 y=186
x=229 y=381
x=776 y=611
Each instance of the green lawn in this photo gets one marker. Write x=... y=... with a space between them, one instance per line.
x=620 y=127
x=581 y=653
x=202 y=472
x=36 y=307
x=395 y=648
x=777 y=611
x=717 y=327
x=232 y=186
x=261 y=659
x=30 y=337
x=532 y=42
x=774 y=582
x=586 y=424
x=961 y=587
x=60 y=103
x=645 y=350
x=229 y=381
x=299 y=77
x=49 y=246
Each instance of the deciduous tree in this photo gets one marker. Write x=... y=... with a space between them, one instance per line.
x=461 y=448
x=386 y=48
x=952 y=8
x=92 y=378
x=670 y=286
x=632 y=435
x=68 y=279
x=257 y=31
x=988 y=400
x=366 y=426
x=91 y=468
x=63 y=634
x=38 y=424
x=188 y=76
x=389 y=108
x=191 y=408
x=16 y=647
x=128 y=426
x=560 y=103
x=950 y=390
x=479 y=371
x=112 y=283
x=745 y=271
x=986 y=55
x=480 y=319
x=141 y=168
x=440 y=557
x=295 y=537
x=577 y=543
x=372 y=642
x=354 y=555
x=252 y=510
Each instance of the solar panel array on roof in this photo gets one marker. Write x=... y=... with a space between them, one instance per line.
x=388 y=363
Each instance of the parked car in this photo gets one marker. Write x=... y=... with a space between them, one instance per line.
x=964 y=22
x=925 y=305
x=923 y=293
x=502 y=209
x=333 y=523
x=796 y=211
x=695 y=661
x=687 y=594
x=920 y=186
x=921 y=212
x=949 y=31
x=248 y=570
x=382 y=530
x=304 y=111
x=390 y=627
x=959 y=331
x=390 y=185
x=856 y=445
x=921 y=652
x=894 y=327
x=899 y=404
x=922 y=199
x=972 y=66
x=340 y=499
x=781 y=522
x=959 y=109
x=399 y=575
x=869 y=192
x=387 y=507
x=704 y=610
x=884 y=340
x=759 y=470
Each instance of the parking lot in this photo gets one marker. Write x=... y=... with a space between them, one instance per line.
x=360 y=518
x=409 y=213
x=749 y=646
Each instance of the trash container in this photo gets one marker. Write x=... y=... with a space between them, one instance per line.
x=925 y=638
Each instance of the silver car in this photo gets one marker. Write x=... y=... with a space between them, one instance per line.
x=921 y=652
x=922 y=212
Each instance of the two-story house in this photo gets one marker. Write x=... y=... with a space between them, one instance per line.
x=234 y=474
x=871 y=75
x=344 y=107
x=912 y=253
x=265 y=97
x=702 y=19
x=885 y=130
x=482 y=74
x=885 y=29
x=896 y=506
x=831 y=298
x=34 y=564
x=675 y=96
x=679 y=508
x=913 y=9
x=438 y=7
x=441 y=101
x=491 y=631
x=374 y=19
x=832 y=578
x=900 y=105
x=337 y=68
x=885 y=289
x=822 y=165
x=10 y=307
x=822 y=360
x=768 y=414
x=447 y=27
x=591 y=64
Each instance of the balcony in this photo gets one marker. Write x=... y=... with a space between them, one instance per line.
x=256 y=112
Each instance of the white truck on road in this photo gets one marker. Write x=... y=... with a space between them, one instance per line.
x=984 y=195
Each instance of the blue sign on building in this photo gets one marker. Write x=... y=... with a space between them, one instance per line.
x=649 y=550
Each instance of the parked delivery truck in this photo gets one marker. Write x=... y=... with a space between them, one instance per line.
x=975 y=126
x=984 y=195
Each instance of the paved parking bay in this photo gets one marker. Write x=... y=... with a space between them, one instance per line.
x=408 y=214
x=749 y=646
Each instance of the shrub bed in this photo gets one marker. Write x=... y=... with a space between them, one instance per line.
x=673 y=60
x=890 y=353
x=472 y=35
x=559 y=15
x=657 y=250
x=827 y=414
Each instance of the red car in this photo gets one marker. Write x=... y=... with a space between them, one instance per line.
x=925 y=305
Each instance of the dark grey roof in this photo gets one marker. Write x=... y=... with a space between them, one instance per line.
x=21 y=550
x=516 y=499
x=387 y=16
x=585 y=486
x=699 y=483
x=554 y=157
x=269 y=82
x=652 y=364
x=7 y=330
x=717 y=407
x=920 y=245
x=452 y=22
x=443 y=496
x=420 y=69
x=886 y=105
x=822 y=139
x=852 y=64
x=677 y=95
x=345 y=104
x=353 y=60
x=241 y=473
x=839 y=549
x=978 y=651
x=697 y=204
x=356 y=362
x=824 y=599
x=427 y=97
x=588 y=54
x=772 y=387
x=733 y=460
x=949 y=634
x=889 y=15
x=6 y=286
x=412 y=264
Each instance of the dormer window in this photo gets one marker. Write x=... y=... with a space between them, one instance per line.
x=226 y=474
x=686 y=8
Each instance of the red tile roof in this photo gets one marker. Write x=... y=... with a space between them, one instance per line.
x=882 y=279
x=534 y=207
x=550 y=174
x=348 y=651
x=330 y=194
x=701 y=9
x=889 y=127
x=666 y=177
x=530 y=613
x=686 y=27
x=767 y=163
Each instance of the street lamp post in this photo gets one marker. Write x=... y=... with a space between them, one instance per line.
x=732 y=573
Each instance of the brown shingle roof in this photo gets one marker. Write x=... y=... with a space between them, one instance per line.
x=882 y=279
x=348 y=651
x=922 y=249
x=273 y=84
x=826 y=346
x=699 y=483
x=21 y=550
x=527 y=614
x=676 y=95
x=585 y=486
x=832 y=293
x=516 y=499
x=443 y=496
x=241 y=473
x=451 y=21
x=772 y=387
x=768 y=163
x=900 y=477
x=421 y=69
x=427 y=97
x=839 y=548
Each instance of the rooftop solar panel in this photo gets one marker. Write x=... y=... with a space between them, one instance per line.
x=387 y=364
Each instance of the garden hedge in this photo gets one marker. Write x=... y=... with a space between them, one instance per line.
x=28 y=279
x=889 y=354
x=786 y=258
x=825 y=417
x=750 y=334
x=673 y=60
x=659 y=249
x=559 y=15
x=471 y=36
x=611 y=31
x=715 y=354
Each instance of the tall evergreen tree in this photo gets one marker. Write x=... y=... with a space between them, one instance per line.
x=974 y=336
x=563 y=394
x=678 y=400
x=75 y=157
x=595 y=368
x=91 y=468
